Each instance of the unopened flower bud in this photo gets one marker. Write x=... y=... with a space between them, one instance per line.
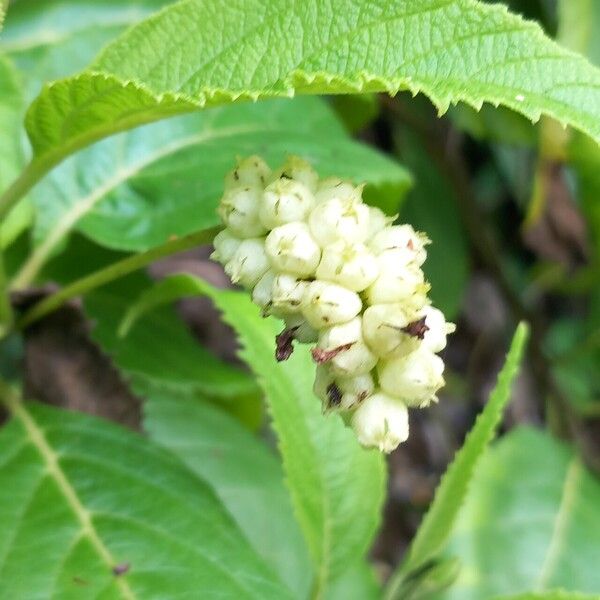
x=354 y=390
x=285 y=201
x=339 y=219
x=344 y=350
x=398 y=283
x=327 y=304
x=378 y=220
x=437 y=329
x=287 y=293
x=334 y=187
x=292 y=249
x=262 y=294
x=384 y=330
x=249 y=263
x=415 y=378
x=407 y=244
x=349 y=264
x=252 y=171
x=239 y=211
x=225 y=246
x=381 y=422
x=300 y=170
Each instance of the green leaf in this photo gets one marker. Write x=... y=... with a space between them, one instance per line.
x=191 y=55
x=246 y=476
x=551 y=595
x=432 y=208
x=135 y=190
x=337 y=487
x=48 y=39
x=93 y=500
x=12 y=157
x=436 y=526
x=530 y=522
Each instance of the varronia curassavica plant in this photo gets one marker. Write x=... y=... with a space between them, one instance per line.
x=340 y=275
x=235 y=238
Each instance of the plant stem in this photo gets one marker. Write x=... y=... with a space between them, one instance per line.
x=112 y=272
x=32 y=173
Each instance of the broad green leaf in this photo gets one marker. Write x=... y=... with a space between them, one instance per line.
x=530 y=522
x=245 y=474
x=135 y=190
x=337 y=487
x=82 y=500
x=12 y=157
x=551 y=595
x=431 y=206
x=196 y=54
x=436 y=527
x=48 y=39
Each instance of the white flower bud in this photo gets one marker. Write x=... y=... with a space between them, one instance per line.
x=291 y=248
x=300 y=170
x=383 y=330
x=304 y=333
x=249 y=263
x=349 y=264
x=339 y=219
x=321 y=385
x=398 y=283
x=262 y=294
x=378 y=220
x=225 y=246
x=252 y=171
x=381 y=422
x=287 y=293
x=334 y=187
x=344 y=350
x=354 y=390
x=327 y=304
x=285 y=201
x=415 y=378
x=437 y=329
x=407 y=244
x=239 y=211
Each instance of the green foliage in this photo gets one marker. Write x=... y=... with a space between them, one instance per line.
x=437 y=524
x=336 y=487
x=92 y=498
x=245 y=474
x=135 y=190
x=478 y=54
x=534 y=498
x=551 y=595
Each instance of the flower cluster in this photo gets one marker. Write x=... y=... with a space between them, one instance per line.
x=341 y=276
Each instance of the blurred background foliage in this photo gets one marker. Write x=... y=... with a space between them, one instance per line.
x=512 y=208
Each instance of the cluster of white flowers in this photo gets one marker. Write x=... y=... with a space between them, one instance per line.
x=341 y=276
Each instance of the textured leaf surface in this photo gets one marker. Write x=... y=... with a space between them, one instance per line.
x=245 y=474
x=337 y=487
x=436 y=527
x=135 y=190
x=197 y=53
x=530 y=522
x=90 y=497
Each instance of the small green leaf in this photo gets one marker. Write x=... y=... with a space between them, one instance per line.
x=337 y=487
x=529 y=523
x=245 y=474
x=191 y=55
x=436 y=526
x=113 y=516
x=550 y=595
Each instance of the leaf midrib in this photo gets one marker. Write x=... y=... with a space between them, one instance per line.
x=51 y=460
